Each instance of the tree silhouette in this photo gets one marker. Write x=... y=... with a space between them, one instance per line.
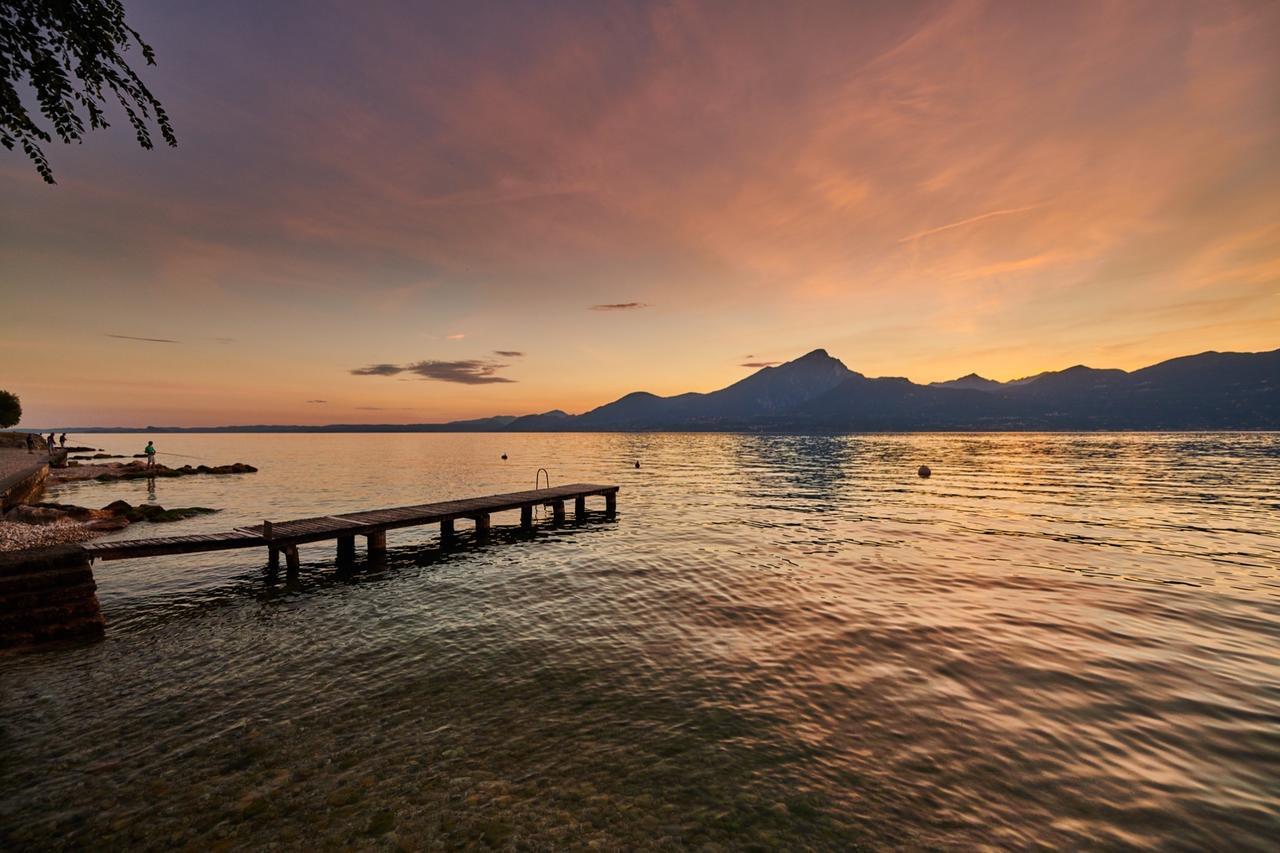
x=10 y=409
x=71 y=52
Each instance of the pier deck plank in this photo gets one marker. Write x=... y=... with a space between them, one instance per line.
x=297 y=531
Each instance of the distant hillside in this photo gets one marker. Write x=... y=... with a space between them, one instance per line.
x=817 y=392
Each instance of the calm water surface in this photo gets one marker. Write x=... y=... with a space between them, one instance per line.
x=781 y=642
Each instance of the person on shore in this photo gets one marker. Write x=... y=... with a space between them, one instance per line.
x=51 y=444
x=151 y=454
x=62 y=440
x=31 y=443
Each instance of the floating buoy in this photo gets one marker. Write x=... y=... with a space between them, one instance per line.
x=504 y=457
x=924 y=472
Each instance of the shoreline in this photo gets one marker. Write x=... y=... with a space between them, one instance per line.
x=28 y=523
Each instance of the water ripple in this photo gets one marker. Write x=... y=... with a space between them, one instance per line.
x=782 y=642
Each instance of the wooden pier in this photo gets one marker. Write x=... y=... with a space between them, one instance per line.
x=284 y=537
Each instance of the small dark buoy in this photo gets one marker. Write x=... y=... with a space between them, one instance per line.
x=924 y=472
x=504 y=457
x=637 y=463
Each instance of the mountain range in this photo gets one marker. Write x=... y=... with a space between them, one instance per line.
x=818 y=393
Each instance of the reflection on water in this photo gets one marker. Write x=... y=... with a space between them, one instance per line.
x=783 y=641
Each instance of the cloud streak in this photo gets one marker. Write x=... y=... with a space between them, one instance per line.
x=147 y=340
x=758 y=364
x=466 y=372
x=619 y=306
x=508 y=353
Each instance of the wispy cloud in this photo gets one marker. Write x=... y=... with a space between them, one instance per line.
x=317 y=401
x=508 y=353
x=969 y=221
x=619 y=306
x=758 y=364
x=457 y=336
x=467 y=372
x=148 y=340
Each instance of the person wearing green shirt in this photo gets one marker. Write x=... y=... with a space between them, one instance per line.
x=151 y=454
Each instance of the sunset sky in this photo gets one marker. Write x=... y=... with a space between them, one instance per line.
x=409 y=212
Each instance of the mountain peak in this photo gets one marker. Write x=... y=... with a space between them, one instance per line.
x=970 y=381
x=818 y=359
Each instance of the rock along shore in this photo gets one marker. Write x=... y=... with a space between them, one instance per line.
x=139 y=471
x=42 y=524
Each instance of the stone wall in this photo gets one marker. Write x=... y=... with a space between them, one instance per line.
x=47 y=594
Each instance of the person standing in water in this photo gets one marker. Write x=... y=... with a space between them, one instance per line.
x=151 y=454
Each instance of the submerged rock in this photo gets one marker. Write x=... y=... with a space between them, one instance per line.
x=154 y=512
x=159 y=514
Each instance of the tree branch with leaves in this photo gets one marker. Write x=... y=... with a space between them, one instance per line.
x=10 y=409
x=72 y=54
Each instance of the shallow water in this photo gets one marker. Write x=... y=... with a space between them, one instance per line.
x=782 y=641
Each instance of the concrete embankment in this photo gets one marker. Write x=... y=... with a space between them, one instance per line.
x=23 y=485
x=23 y=473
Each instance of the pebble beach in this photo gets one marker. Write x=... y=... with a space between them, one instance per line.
x=16 y=535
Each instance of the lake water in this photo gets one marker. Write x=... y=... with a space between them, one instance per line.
x=781 y=642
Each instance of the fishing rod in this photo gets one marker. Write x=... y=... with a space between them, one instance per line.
x=180 y=455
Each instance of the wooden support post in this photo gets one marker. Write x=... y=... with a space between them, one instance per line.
x=377 y=543
x=611 y=504
x=346 y=550
x=482 y=527
x=557 y=513
x=526 y=518
x=446 y=531
x=273 y=553
x=291 y=561
x=579 y=508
